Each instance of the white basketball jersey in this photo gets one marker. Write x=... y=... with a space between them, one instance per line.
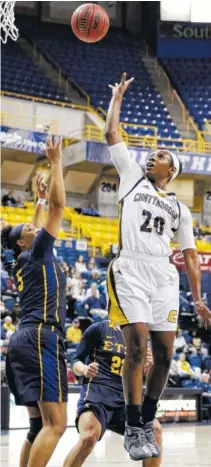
x=149 y=217
x=148 y=220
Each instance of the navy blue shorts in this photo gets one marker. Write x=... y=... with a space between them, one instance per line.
x=107 y=405
x=35 y=366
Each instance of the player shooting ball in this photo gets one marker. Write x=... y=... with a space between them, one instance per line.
x=143 y=285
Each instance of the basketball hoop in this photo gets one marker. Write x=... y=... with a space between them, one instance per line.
x=8 y=28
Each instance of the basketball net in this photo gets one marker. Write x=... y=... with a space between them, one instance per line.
x=8 y=28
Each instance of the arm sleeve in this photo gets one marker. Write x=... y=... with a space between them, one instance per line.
x=43 y=246
x=88 y=343
x=185 y=231
x=128 y=169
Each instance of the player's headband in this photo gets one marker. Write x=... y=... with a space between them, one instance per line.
x=176 y=164
x=15 y=234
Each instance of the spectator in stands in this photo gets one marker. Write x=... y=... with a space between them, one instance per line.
x=93 y=291
x=74 y=333
x=3 y=310
x=75 y=292
x=8 y=324
x=174 y=374
x=196 y=340
x=15 y=315
x=19 y=203
x=206 y=359
x=185 y=368
x=180 y=342
x=197 y=232
x=74 y=285
x=80 y=264
x=9 y=199
x=4 y=349
x=64 y=267
x=95 y=304
x=92 y=267
x=91 y=211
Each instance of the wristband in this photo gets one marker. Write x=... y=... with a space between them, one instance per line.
x=41 y=201
x=197 y=302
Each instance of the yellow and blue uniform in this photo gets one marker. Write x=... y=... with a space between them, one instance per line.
x=103 y=395
x=36 y=365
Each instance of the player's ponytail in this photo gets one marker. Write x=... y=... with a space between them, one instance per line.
x=6 y=242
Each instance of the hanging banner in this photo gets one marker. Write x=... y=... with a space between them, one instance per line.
x=23 y=140
x=192 y=162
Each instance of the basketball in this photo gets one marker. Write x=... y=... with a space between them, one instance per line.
x=90 y=22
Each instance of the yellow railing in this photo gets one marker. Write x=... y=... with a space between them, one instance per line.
x=48 y=101
x=160 y=71
x=40 y=56
x=208 y=127
x=29 y=122
x=174 y=96
x=94 y=133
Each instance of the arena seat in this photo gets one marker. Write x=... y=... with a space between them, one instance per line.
x=191 y=78
x=94 y=66
x=20 y=75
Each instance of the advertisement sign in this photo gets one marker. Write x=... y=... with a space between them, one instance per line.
x=184 y=40
x=176 y=405
x=192 y=163
x=24 y=140
x=184 y=30
x=178 y=410
x=205 y=260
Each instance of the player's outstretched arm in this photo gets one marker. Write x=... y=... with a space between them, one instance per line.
x=192 y=263
x=89 y=342
x=193 y=269
x=57 y=198
x=42 y=192
x=113 y=115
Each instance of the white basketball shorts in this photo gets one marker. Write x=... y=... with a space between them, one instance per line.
x=143 y=289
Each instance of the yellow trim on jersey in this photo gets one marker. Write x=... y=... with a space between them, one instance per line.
x=116 y=315
x=40 y=361
x=88 y=387
x=58 y=368
x=57 y=293
x=45 y=294
x=87 y=391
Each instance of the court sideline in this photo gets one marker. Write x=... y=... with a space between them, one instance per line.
x=184 y=445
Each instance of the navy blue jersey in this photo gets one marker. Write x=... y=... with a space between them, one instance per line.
x=41 y=284
x=105 y=345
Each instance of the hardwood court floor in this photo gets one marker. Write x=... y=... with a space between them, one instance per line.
x=184 y=445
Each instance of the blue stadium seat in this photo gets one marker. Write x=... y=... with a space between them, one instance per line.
x=191 y=78
x=22 y=76
x=94 y=66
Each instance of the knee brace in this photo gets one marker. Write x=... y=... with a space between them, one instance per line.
x=35 y=426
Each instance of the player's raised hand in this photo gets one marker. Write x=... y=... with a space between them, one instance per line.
x=204 y=313
x=42 y=188
x=91 y=370
x=119 y=89
x=53 y=149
